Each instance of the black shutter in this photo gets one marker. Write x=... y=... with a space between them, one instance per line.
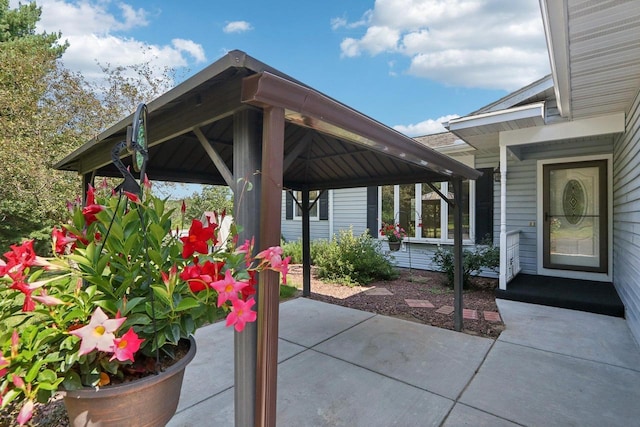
x=372 y=211
x=289 y=206
x=484 y=206
x=324 y=205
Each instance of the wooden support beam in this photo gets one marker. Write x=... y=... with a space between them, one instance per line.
x=247 y=156
x=268 y=301
x=215 y=157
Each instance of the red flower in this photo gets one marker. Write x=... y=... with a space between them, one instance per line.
x=61 y=239
x=250 y=289
x=191 y=275
x=91 y=209
x=133 y=197
x=21 y=256
x=197 y=239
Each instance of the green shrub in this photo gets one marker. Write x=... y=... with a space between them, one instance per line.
x=352 y=260
x=294 y=250
x=473 y=261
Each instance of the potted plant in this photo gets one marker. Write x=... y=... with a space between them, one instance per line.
x=394 y=234
x=118 y=301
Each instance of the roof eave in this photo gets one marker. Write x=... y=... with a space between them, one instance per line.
x=310 y=108
x=233 y=59
x=530 y=111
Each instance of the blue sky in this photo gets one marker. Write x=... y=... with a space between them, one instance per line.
x=409 y=64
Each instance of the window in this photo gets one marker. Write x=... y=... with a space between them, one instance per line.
x=430 y=218
x=313 y=213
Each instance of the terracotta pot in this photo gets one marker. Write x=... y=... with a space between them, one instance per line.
x=394 y=246
x=150 y=401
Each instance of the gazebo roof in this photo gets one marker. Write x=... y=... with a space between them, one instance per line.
x=327 y=144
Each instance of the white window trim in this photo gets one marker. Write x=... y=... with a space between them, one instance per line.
x=444 y=217
x=297 y=217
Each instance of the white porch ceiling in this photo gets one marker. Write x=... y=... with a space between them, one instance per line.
x=595 y=54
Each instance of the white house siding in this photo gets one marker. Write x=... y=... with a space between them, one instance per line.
x=626 y=218
x=350 y=210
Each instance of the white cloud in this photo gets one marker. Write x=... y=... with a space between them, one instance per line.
x=237 y=27
x=426 y=127
x=97 y=33
x=497 y=44
x=192 y=48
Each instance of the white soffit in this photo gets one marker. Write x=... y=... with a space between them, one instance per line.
x=595 y=126
x=513 y=115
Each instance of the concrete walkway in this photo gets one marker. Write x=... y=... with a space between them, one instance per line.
x=344 y=367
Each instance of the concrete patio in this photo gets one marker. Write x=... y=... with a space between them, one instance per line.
x=343 y=367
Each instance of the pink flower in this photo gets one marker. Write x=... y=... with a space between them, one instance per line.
x=246 y=248
x=241 y=313
x=15 y=343
x=126 y=346
x=26 y=412
x=3 y=365
x=47 y=300
x=99 y=333
x=18 y=382
x=283 y=268
x=272 y=255
x=228 y=288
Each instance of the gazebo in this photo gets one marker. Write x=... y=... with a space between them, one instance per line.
x=242 y=123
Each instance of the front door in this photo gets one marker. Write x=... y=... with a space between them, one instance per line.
x=575 y=216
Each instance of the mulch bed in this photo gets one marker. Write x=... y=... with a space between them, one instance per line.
x=413 y=285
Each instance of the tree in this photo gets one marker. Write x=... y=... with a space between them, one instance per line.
x=26 y=58
x=47 y=111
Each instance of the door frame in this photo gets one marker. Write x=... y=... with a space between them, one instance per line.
x=605 y=277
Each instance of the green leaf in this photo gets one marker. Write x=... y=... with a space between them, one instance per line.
x=47 y=376
x=187 y=304
x=33 y=372
x=161 y=293
x=72 y=381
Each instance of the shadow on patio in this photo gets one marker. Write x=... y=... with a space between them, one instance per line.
x=343 y=367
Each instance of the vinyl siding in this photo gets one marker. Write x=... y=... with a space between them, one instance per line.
x=626 y=218
x=350 y=210
x=521 y=194
x=292 y=228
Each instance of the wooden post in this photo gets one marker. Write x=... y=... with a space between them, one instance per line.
x=268 y=302
x=457 y=255
x=247 y=155
x=306 y=245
